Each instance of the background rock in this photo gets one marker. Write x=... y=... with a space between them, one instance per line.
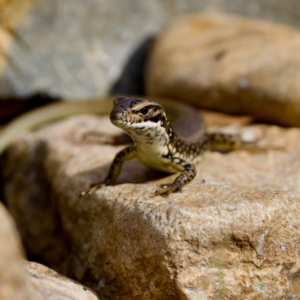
x=235 y=65
x=32 y=281
x=76 y=49
x=14 y=283
x=47 y=284
x=236 y=236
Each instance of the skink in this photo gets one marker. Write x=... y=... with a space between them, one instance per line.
x=157 y=143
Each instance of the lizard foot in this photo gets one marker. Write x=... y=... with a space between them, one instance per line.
x=167 y=189
x=92 y=189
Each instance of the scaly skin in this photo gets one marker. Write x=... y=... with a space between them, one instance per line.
x=157 y=145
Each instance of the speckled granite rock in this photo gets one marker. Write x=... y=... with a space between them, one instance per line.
x=237 y=236
x=13 y=279
x=231 y=64
x=46 y=284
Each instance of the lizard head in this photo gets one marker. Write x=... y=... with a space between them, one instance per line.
x=137 y=112
x=139 y=117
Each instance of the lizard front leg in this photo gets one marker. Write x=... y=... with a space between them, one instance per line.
x=188 y=173
x=114 y=171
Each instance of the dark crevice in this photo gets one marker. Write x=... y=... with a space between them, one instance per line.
x=131 y=81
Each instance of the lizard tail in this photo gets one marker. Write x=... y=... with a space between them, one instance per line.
x=50 y=113
x=224 y=142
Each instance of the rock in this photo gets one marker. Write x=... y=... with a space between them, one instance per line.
x=75 y=49
x=32 y=281
x=236 y=236
x=230 y=64
x=47 y=284
x=14 y=282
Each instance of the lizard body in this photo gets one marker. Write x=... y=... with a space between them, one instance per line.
x=157 y=144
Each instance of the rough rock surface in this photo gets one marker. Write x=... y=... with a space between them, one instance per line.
x=13 y=279
x=236 y=236
x=231 y=64
x=32 y=281
x=77 y=49
x=46 y=284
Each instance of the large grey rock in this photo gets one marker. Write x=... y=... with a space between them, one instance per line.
x=77 y=49
x=236 y=236
x=231 y=64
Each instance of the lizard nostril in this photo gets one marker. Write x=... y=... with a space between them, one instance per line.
x=117 y=115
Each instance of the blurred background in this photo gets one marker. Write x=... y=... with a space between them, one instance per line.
x=73 y=49
x=80 y=49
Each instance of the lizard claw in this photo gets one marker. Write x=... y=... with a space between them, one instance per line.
x=92 y=189
x=166 y=190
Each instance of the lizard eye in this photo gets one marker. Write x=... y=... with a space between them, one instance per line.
x=144 y=110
